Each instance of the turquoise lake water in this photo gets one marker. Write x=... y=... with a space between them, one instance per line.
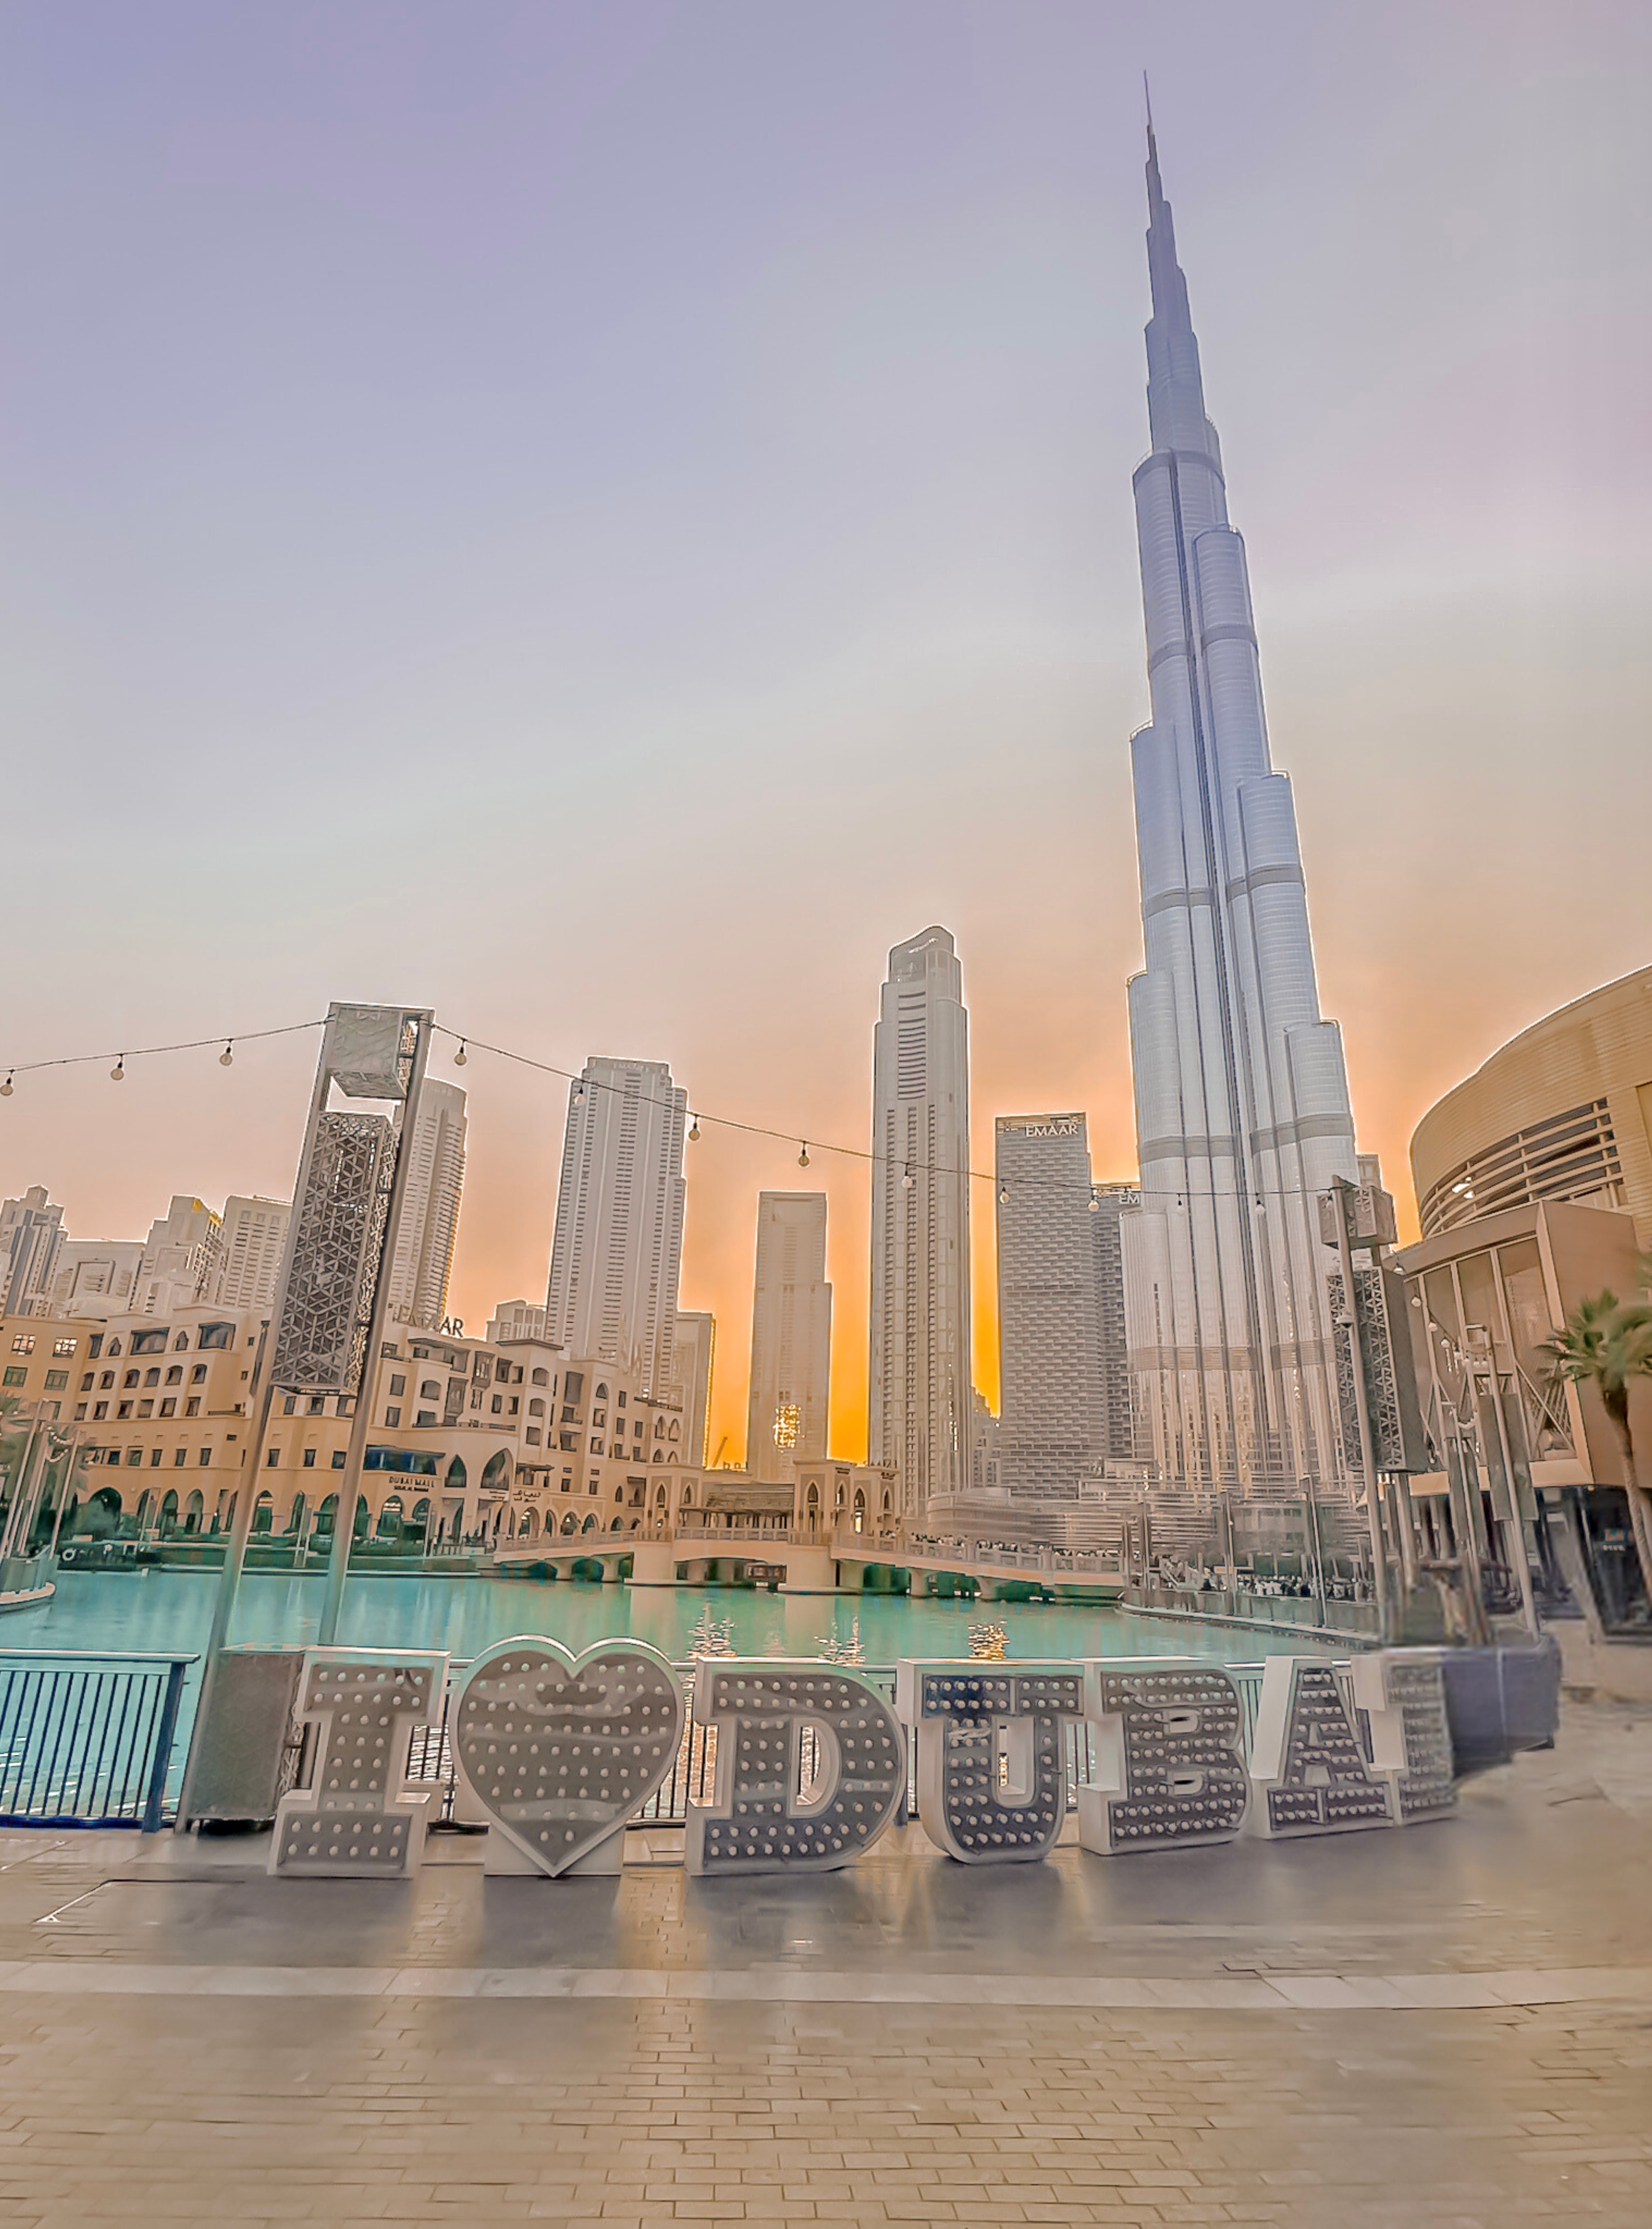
x=158 y=1612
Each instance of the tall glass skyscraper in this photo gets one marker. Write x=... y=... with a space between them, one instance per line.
x=616 y=1252
x=1241 y=1095
x=919 y=1404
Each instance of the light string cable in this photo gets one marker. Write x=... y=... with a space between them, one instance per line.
x=911 y=1165
x=228 y=1039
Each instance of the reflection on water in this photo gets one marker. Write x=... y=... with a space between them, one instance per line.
x=158 y=1612
x=711 y=1636
x=843 y=1648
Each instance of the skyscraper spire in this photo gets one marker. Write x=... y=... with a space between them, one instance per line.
x=1242 y=1103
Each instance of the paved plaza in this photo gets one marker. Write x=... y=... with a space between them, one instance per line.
x=1450 y=2025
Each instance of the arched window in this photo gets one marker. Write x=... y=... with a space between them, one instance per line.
x=456 y=1476
x=113 y=1347
x=619 y=1493
x=590 y=1523
x=601 y=1393
x=180 y=1345
x=497 y=1471
x=618 y=1526
x=570 y=1523
x=169 y=1514
x=192 y=1512
x=537 y=1408
x=540 y=1378
x=430 y=1389
x=676 y=1431
x=659 y=1454
x=660 y=1497
x=688 y=1496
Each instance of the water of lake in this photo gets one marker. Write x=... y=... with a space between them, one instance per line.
x=165 y=1613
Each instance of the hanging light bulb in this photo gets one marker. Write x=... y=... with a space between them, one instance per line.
x=579 y=1095
x=909 y=1180
x=694 y=1133
x=1094 y=1204
x=227 y=1057
x=5 y=1088
x=803 y=1155
x=461 y=1056
x=118 y=1073
x=1003 y=1195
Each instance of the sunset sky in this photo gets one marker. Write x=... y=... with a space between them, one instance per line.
x=602 y=516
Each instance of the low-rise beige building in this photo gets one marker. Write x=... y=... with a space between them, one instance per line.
x=1562 y=1111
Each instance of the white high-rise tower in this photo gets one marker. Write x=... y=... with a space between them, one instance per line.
x=617 y=1251
x=1241 y=1096
x=424 y=1252
x=920 y=1380
x=791 y=1335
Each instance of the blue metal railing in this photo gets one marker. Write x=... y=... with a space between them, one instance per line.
x=87 y=1740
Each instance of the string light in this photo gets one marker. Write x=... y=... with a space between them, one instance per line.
x=1141 y=1195
x=143 y=1052
x=1003 y=1195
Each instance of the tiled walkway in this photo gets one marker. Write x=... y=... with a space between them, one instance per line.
x=1449 y=2027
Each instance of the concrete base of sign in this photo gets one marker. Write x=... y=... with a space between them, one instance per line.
x=502 y=1860
x=810 y=1572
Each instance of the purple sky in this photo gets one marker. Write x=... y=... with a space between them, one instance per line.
x=604 y=518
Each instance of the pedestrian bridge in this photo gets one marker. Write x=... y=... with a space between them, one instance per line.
x=844 y=1562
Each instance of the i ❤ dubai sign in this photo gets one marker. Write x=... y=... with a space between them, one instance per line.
x=555 y=1753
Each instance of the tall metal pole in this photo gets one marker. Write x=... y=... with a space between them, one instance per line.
x=1517 y=1525
x=1312 y=1499
x=1340 y=1188
x=20 y=1482
x=223 y=1600
x=343 y=1530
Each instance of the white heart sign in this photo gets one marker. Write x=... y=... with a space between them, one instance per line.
x=560 y=1751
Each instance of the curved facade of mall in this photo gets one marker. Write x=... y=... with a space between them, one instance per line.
x=1564 y=1111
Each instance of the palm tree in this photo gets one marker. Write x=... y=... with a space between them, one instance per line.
x=1607 y=1343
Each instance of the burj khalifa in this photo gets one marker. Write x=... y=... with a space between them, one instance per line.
x=1241 y=1092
